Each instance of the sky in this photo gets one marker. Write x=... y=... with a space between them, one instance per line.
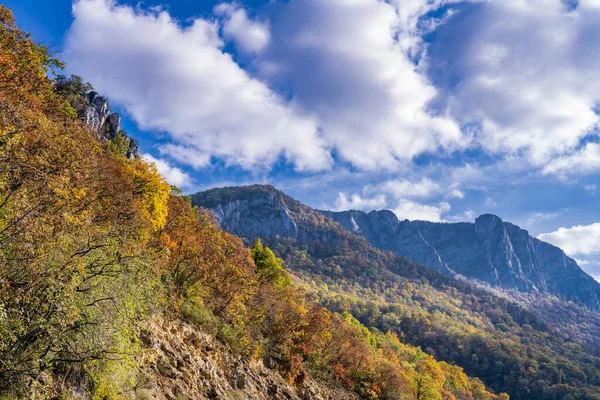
x=439 y=110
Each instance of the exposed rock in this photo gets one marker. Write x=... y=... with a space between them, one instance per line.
x=164 y=367
x=276 y=219
x=106 y=124
x=489 y=250
x=180 y=367
x=97 y=111
x=148 y=339
x=112 y=126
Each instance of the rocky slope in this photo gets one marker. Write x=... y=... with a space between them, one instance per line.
x=183 y=362
x=489 y=250
x=180 y=361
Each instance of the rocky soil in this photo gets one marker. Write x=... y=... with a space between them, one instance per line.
x=182 y=362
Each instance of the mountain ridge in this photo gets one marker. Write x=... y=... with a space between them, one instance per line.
x=491 y=250
x=505 y=342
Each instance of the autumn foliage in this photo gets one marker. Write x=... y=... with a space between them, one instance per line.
x=92 y=244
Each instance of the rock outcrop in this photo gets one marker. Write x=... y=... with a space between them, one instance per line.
x=274 y=219
x=183 y=362
x=490 y=250
x=106 y=124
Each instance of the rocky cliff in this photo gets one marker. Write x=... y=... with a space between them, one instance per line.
x=490 y=250
x=343 y=269
x=107 y=124
x=183 y=362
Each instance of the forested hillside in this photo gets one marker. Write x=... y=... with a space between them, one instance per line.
x=114 y=287
x=489 y=250
x=510 y=348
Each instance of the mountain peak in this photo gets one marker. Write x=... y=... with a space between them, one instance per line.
x=488 y=219
x=489 y=249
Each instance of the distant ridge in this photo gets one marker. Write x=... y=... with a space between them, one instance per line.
x=490 y=250
x=531 y=345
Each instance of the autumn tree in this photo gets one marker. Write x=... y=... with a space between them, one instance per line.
x=268 y=267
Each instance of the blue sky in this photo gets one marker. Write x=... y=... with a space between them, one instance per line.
x=436 y=109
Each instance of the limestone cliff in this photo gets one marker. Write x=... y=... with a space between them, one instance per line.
x=490 y=250
x=107 y=124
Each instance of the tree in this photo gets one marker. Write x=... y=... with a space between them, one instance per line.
x=268 y=267
x=73 y=90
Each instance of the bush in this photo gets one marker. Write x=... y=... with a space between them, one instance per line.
x=202 y=317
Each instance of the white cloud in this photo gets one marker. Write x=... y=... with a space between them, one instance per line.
x=178 y=79
x=585 y=160
x=357 y=202
x=356 y=79
x=466 y=216
x=397 y=196
x=348 y=62
x=251 y=36
x=455 y=193
x=407 y=209
x=590 y=188
x=173 y=175
x=410 y=189
x=489 y=202
x=525 y=74
x=576 y=240
x=582 y=262
x=403 y=208
x=582 y=242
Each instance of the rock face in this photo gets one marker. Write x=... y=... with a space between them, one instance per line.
x=489 y=250
x=183 y=362
x=240 y=216
x=107 y=124
x=262 y=211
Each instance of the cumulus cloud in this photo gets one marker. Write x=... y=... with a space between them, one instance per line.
x=456 y=193
x=576 y=240
x=407 y=209
x=524 y=75
x=399 y=196
x=403 y=208
x=581 y=242
x=249 y=35
x=465 y=216
x=411 y=189
x=178 y=79
x=516 y=78
x=173 y=175
x=357 y=202
x=583 y=161
x=489 y=202
x=349 y=63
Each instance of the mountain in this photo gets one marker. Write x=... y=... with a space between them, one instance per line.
x=510 y=347
x=491 y=250
x=114 y=287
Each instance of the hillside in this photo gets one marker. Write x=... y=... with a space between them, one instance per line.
x=490 y=250
x=115 y=287
x=510 y=348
